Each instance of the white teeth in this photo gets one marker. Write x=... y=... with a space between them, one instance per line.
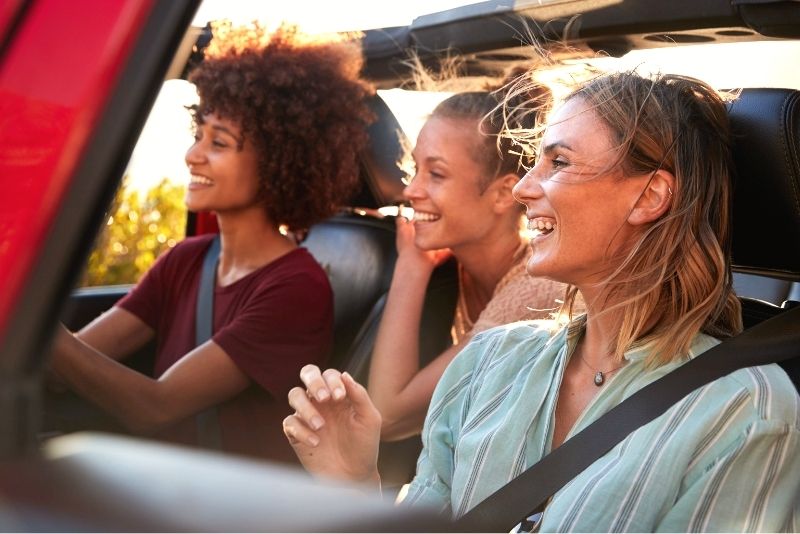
x=540 y=225
x=397 y=211
x=425 y=217
x=197 y=179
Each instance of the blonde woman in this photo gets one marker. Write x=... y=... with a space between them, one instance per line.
x=631 y=195
x=463 y=206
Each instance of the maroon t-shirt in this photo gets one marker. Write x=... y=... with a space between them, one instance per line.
x=270 y=323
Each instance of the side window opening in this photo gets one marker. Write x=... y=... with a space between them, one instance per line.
x=148 y=215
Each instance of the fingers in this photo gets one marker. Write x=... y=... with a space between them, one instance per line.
x=298 y=433
x=304 y=409
x=322 y=386
x=404 y=227
x=359 y=397
x=333 y=380
x=315 y=383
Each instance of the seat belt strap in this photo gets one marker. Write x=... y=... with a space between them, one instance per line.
x=772 y=341
x=207 y=421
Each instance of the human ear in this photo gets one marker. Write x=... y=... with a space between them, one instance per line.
x=655 y=200
x=504 y=197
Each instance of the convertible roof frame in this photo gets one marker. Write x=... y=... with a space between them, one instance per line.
x=497 y=34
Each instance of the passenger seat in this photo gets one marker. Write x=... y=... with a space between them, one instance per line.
x=766 y=204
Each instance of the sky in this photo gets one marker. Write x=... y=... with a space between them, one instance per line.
x=166 y=135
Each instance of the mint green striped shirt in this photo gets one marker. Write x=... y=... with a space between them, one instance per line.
x=725 y=458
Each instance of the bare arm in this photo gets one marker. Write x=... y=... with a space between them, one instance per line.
x=398 y=387
x=202 y=378
x=117 y=333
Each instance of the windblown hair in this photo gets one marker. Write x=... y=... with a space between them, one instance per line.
x=675 y=281
x=499 y=152
x=300 y=101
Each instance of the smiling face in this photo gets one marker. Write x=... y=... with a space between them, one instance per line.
x=449 y=209
x=223 y=168
x=577 y=200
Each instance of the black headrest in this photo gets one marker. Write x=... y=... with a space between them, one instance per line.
x=766 y=202
x=381 y=157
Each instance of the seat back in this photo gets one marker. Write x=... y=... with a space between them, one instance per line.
x=358 y=253
x=766 y=198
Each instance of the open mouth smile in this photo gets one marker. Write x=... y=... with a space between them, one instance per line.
x=541 y=226
x=422 y=216
x=198 y=180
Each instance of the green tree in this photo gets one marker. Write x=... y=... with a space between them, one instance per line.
x=139 y=228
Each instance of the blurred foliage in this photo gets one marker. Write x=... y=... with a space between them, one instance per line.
x=140 y=226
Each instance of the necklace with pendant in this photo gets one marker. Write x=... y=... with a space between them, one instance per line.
x=600 y=376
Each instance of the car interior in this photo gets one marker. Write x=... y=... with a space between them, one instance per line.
x=766 y=126
x=94 y=481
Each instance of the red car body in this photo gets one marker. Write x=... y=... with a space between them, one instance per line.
x=49 y=111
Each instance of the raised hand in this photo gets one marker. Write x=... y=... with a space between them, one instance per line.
x=335 y=430
x=411 y=256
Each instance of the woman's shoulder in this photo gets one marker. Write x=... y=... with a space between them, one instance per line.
x=762 y=393
x=524 y=332
x=514 y=342
x=299 y=264
x=296 y=274
x=771 y=393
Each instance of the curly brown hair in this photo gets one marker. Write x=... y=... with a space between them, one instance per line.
x=300 y=101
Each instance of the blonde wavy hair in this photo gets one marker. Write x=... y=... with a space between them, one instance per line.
x=675 y=281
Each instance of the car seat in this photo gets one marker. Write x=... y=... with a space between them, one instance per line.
x=766 y=198
x=357 y=250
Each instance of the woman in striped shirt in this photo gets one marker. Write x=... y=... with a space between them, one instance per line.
x=630 y=198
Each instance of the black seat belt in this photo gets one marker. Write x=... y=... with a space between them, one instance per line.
x=772 y=341
x=208 y=431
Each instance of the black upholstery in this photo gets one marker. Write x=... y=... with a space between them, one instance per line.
x=766 y=207
x=379 y=162
x=358 y=251
x=358 y=254
x=766 y=219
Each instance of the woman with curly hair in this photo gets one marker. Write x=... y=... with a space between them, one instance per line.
x=630 y=202
x=280 y=122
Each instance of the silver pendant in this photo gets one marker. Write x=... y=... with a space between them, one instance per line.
x=599 y=378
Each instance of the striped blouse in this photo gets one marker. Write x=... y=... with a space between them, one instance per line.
x=725 y=458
